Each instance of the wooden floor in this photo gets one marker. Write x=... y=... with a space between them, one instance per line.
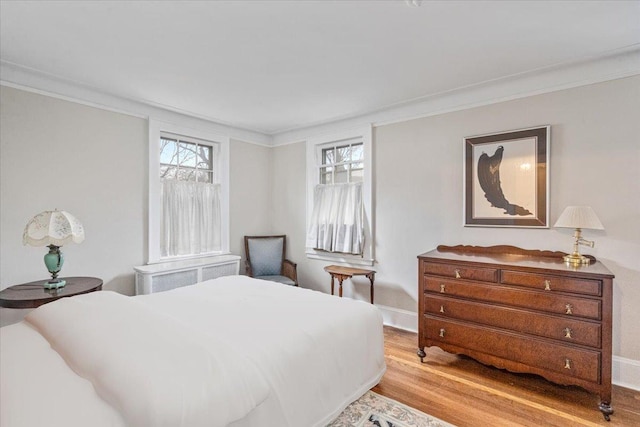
x=464 y=392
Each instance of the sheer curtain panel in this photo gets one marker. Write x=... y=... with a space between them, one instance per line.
x=337 y=221
x=191 y=218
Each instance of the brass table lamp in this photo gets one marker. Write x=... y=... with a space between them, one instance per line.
x=579 y=217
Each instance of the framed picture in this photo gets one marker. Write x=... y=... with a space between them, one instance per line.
x=506 y=179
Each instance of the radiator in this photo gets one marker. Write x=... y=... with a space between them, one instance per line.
x=170 y=275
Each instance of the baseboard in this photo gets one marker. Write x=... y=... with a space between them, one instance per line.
x=625 y=372
x=398 y=318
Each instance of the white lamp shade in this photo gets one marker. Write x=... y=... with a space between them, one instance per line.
x=53 y=228
x=579 y=217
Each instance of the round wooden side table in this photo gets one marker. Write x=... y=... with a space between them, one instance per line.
x=33 y=294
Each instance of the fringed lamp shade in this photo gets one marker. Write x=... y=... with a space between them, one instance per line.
x=53 y=229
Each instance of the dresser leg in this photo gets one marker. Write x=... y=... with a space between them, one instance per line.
x=421 y=355
x=606 y=410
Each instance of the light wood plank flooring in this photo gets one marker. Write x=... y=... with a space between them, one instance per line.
x=464 y=392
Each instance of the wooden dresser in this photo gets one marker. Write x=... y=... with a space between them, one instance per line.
x=520 y=310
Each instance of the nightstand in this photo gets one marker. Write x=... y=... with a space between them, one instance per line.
x=33 y=294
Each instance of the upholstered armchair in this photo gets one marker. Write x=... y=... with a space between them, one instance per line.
x=266 y=259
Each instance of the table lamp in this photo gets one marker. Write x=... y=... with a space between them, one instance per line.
x=579 y=217
x=53 y=229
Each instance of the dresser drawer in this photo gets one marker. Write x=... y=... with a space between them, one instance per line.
x=571 y=331
x=523 y=298
x=566 y=360
x=461 y=272
x=552 y=283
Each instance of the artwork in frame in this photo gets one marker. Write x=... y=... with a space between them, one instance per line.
x=506 y=179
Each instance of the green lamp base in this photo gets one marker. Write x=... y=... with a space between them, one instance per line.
x=54 y=260
x=55 y=284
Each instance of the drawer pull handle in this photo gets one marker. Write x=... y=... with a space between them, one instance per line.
x=567 y=333
x=569 y=309
x=547 y=285
x=457 y=274
x=442 y=309
x=567 y=363
x=442 y=333
x=442 y=288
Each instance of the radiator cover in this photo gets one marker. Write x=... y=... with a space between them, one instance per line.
x=165 y=276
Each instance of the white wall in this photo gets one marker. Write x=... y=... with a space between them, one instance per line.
x=93 y=163
x=249 y=194
x=595 y=160
x=90 y=162
x=288 y=190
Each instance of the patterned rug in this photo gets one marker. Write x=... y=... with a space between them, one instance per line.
x=375 y=410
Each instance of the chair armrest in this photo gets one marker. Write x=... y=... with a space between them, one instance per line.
x=289 y=269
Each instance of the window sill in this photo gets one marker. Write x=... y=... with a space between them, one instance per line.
x=340 y=258
x=192 y=260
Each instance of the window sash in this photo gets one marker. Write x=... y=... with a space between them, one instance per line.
x=352 y=159
x=190 y=169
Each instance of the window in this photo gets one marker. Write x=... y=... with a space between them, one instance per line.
x=183 y=160
x=342 y=163
x=339 y=198
x=188 y=193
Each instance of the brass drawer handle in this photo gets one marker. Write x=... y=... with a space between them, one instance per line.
x=569 y=309
x=567 y=363
x=567 y=333
x=547 y=285
x=442 y=309
x=442 y=285
x=442 y=333
x=457 y=274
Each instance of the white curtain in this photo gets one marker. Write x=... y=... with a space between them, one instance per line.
x=337 y=221
x=191 y=222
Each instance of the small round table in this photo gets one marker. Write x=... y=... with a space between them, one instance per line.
x=33 y=294
x=342 y=273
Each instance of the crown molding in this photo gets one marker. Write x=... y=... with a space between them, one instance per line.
x=614 y=65
x=610 y=66
x=31 y=80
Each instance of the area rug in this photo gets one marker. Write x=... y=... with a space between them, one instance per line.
x=379 y=411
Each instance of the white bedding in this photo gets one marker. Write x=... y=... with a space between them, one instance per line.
x=315 y=352
x=179 y=376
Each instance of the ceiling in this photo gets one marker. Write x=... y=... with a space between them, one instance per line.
x=275 y=66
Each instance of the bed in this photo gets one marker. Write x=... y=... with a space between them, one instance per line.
x=230 y=351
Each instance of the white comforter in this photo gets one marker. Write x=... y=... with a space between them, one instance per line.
x=153 y=370
x=313 y=353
